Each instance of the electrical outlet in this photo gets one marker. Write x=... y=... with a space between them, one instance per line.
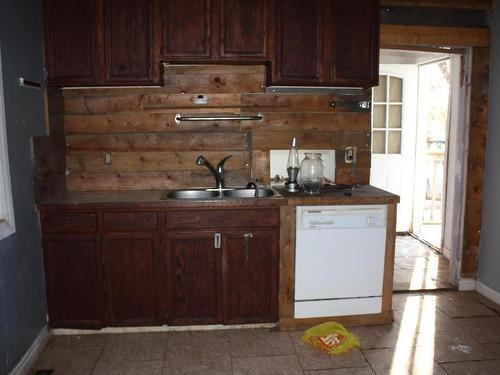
x=351 y=154
x=108 y=158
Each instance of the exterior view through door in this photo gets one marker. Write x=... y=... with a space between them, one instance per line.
x=410 y=125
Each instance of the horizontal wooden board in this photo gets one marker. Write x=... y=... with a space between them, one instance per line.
x=434 y=36
x=461 y=4
x=152 y=161
x=139 y=122
x=349 y=177
x=150 y=180
x=306 y=102
x=310 y=121
x=213 y=141
x=267 y=140
x=214 y=78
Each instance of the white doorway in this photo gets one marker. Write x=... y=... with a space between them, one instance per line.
x=413 y=108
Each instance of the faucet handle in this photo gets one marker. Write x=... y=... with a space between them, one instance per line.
x=221 y=163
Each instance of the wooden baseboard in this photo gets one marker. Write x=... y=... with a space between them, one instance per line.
x=28 y=360
x=349 y=321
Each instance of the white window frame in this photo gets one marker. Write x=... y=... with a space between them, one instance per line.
x=387 y=103
x=7 y=222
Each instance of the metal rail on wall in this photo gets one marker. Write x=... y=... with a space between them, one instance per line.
x=180 y=118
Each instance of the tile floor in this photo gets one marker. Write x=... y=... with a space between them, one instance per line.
x=454 y=333
x=418 y=267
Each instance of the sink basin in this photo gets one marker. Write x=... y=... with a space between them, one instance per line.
x=212 y=194
x=249 y=193
x=193 y=194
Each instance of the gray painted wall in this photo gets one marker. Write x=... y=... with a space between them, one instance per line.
x=22 y=295
x=489 y=255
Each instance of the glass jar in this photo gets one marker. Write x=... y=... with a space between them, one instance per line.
x=311 y=175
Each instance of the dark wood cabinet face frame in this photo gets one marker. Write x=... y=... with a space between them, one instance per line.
x=137 y=225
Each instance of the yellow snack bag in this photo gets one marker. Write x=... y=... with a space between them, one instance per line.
x=331 y=338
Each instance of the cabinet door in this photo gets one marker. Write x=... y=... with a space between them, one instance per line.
x=129 y=41
x=193 y=273
x=299 y=44
x=186 y=29
x=250 y=276
x=356 y=42
x=70 y=42
x=129 y=269
x=73 y=275
x=243 y=28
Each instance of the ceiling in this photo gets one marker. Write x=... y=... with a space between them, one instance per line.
x=395 y=56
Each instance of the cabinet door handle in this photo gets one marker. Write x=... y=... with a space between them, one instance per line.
x=217 y=240
x=247 y=237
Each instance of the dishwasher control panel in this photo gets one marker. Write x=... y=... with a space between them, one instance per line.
x=328 y=217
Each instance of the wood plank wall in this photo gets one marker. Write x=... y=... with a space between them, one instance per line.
x=150 y=151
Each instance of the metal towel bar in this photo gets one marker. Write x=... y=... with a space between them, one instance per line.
x=180 y=118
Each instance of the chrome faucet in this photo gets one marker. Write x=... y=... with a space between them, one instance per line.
x=255 y=185
x=218 y=171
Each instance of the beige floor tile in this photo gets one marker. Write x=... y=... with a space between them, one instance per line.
x=473 y=368
x=460 y=305
x=274 y=365
x=199 y=343
x=378 y=337
x=69 y=360
x=343 y=371
x=143 y=368
x=458 y=346
x=484 y=301
x=313 y=359
x=421 y=314
x=256 y=343
x=135 y=346
x=494 y=350
x=195 y=364
x=402 y=361
x=77 y=341
x=484 y=330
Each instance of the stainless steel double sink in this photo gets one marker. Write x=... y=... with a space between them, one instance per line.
x=224 y=193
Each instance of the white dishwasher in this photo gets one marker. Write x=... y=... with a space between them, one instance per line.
x=339 y=260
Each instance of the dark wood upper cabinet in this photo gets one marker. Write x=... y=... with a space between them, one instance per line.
x=243 y=28
x=186 y=29
x=129 y=266
x=356 y=42
x=250 y=274
x=299 y=45
x=193 y=278
x=129 y=41
x=73 y=277
x=70 y=37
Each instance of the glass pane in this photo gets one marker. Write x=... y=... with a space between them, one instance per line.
x=395 y=116
x=395 y=89
x=394 y=142
x=379 y=116
x=378 y=142
x=380 y=92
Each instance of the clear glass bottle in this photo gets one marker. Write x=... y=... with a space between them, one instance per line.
x=312 y=173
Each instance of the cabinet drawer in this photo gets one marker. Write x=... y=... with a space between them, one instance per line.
x=64 y=222
x=130 y=221
x=222 y=218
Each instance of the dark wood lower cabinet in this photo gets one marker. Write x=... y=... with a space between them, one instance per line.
x=73 y=276
x=131 y=280
x=193 y=271
x=177 y=272
x=250 y=274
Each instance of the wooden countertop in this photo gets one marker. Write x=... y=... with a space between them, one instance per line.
x=154 y=199
x=331 y=195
